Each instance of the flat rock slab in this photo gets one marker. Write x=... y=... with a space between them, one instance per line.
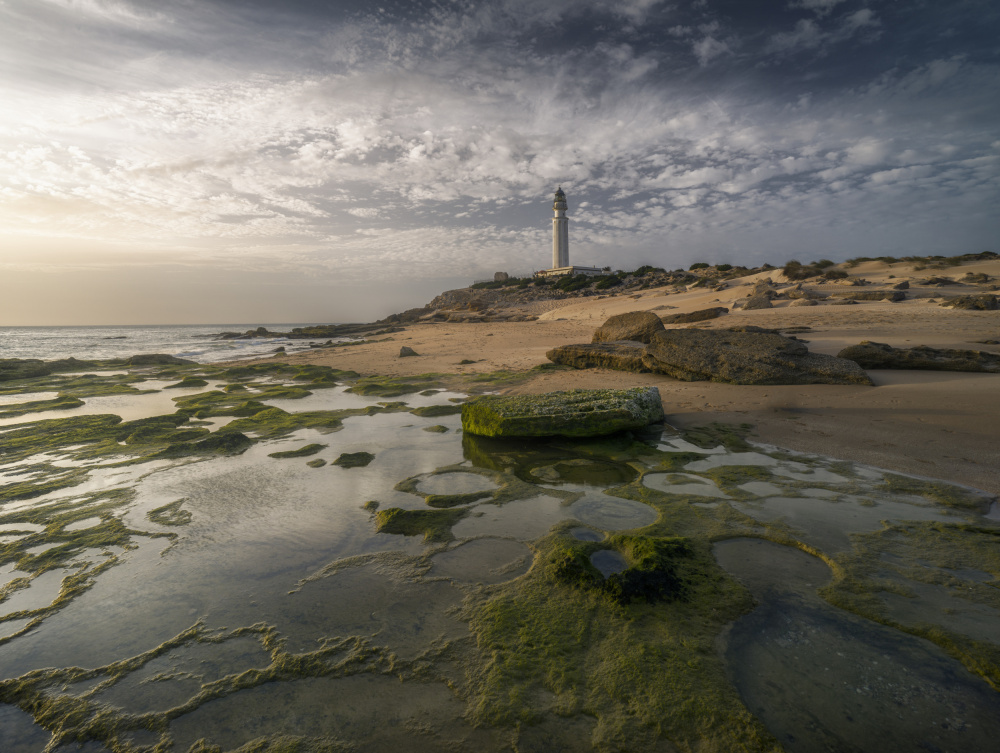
x=572 y=413
x=872 y=355
x=745 y=358
x=622 y=355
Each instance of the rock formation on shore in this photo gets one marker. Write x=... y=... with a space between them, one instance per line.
x=872 y=355
x=747 y=355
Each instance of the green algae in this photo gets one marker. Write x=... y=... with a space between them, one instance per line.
x=433 y=525
x=354 y=459
x=570 y=413
x=222 y=403
x=433 y=411
x=62 y=402
x=302 y=452
x=941 y=492
x=82 y=718
x=455 y=500
x=317 y=463
x=436 y=429
x=923 y=552
x=187 y=382
x=384 y=386
x=170 y=514
x=643 y=672
x=733 y=438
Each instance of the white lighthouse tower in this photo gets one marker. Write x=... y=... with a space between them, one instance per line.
x=560 y=243
x=560 y=232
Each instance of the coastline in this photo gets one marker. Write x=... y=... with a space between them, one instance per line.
x=936 y=424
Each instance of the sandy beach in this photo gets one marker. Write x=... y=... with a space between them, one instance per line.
x=929 y=423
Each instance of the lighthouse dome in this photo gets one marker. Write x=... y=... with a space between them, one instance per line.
x=560 y=198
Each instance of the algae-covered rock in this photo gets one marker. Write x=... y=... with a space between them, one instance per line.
x=745 y=358
x=872 y=355
x=302 y=452
x=354 y=459
x=22 y=368
x=635 y=325
x=573 y=413
x=155 y=359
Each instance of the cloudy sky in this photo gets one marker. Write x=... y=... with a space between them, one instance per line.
x=182 y=161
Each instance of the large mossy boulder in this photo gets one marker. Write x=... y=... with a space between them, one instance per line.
x=745 y=358
x=635 y=325
x=572 y=413
x=872 y=355
x=625 y=355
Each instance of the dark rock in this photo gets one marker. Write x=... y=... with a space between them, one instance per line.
x=22 y=368
x=872 y=355
x=844 y=302
x=757 y=302
x=573 y=413
x=976 y=277
x=904 y=285
x=635 y=325
x=981 y=302
x=877 y=295
x=354 y=459
x=695 y=316
x=622 y=355
x=745 y=358
x=803 y=302
x=155 y=359
x=937 y=280
x=406 y=351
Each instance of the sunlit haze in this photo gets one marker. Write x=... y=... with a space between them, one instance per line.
x=186 y=161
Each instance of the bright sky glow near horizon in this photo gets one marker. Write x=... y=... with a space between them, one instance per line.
x=184 y=161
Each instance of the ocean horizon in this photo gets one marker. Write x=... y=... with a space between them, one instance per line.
x=191 y=341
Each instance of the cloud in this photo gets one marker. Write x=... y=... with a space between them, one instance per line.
x=819 y=7
x=709 y=48
x=809 y=35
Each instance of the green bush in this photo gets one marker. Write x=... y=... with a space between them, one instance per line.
x=724 y=267
x=835 y=274
x=607 y=281
x=699 y=265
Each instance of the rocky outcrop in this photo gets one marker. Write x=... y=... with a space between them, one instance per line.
x=745 y=358
x=803 y=302
x=406 y=351
x=872 y=355
x=981 y=302
x=747 y=355
x=761 y=295
x=623 y=355
x=904 y=285
x=639 y=326
x=156 y=359
x=572 y=413
x=695 y=316
x=876 y=295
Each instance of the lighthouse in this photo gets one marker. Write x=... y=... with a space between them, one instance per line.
x=560 y=232
x=560 y=243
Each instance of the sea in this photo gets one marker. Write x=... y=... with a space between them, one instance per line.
x=197 y=342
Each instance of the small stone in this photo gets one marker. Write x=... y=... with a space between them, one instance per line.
x=406 y=350
x=354 y=459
